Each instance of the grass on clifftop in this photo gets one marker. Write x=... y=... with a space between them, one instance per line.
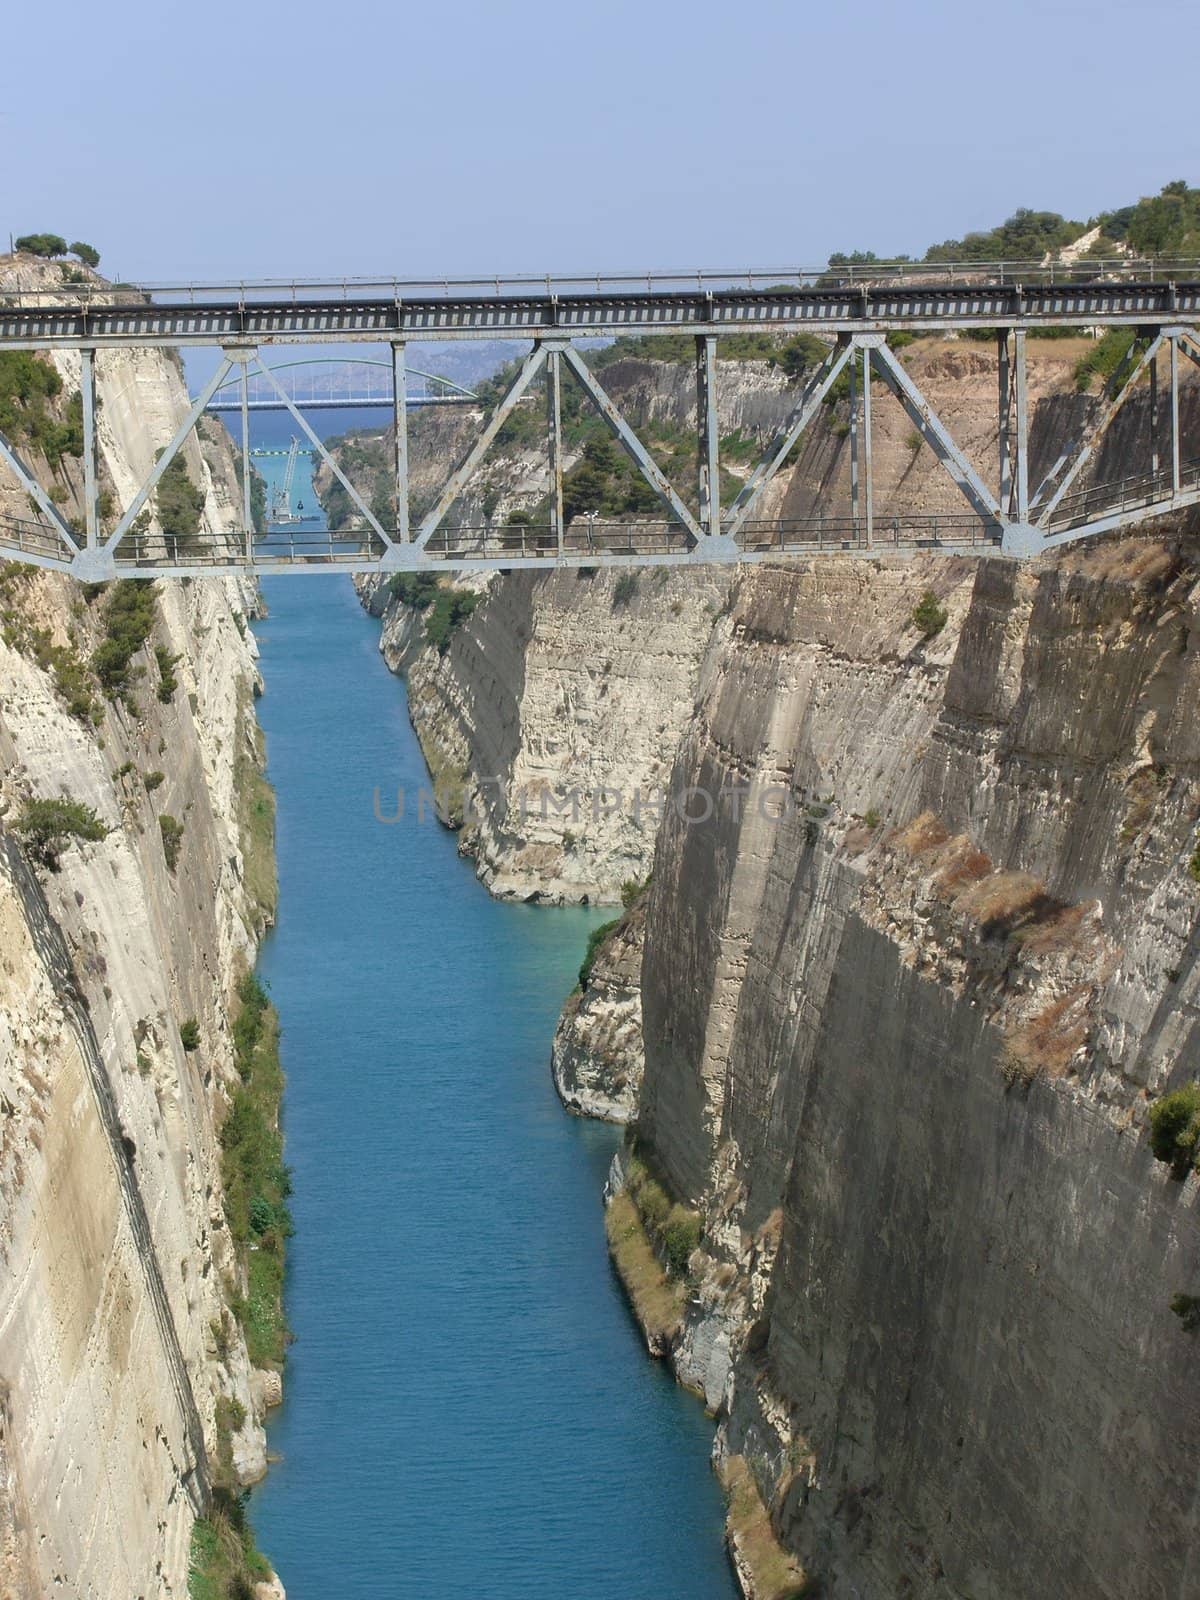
x=657 y=1301
x=256 y=1180
x=776 y=1573
x=256 y=821
x=224 y=1563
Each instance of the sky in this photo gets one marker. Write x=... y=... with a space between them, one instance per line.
x=228 y=141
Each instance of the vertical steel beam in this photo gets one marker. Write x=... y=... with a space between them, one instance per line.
x=554 y=433
x=852 y=372
x=400 y=430
x=1022 y=399
x=1174 y=413
x=530 y=368
x=868 y=469
x=1154 y=460
x=1003 y=369
x=707 y=428
x=87 y=391
x=168 y=455
x=247 y=466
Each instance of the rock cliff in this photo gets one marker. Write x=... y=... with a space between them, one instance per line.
x=126 y=1391
x=902 y=1024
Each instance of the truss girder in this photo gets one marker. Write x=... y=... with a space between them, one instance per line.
x=1004 y=512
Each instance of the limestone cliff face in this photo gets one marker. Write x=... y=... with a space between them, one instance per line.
x=901 y=1022
x=115 y=1339
x=551 y=720
x=597 y=1055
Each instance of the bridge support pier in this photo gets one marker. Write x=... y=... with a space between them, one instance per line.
x=87 y=396
x=554 y=431
x=400 y=431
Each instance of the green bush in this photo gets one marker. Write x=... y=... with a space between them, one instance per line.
x=180 y=503
x=595 y=939
x=929 y=616
x=46 y=245
x=171 y=830
x=167 y=681
x=1175 y=1128
x=680 y=1237
x=1104 y=358
x=28 y=386
x=1194 y=864
x=86 y=253
x=128 y=623
x=451 y=608
x=152 y=780
x=189 y=1034
x=48 y=826
x=1187 y=1308
x=625 y=589
x=255 y=1178
x=630 y=889
x=416 y=589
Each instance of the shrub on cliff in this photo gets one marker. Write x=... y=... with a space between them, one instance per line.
x=128 y=622
x=1194 y=864
x=171 y=830
x=929 y=616
x=595 y=939
x=1175 y=1128
x=180 y=503
x=87 y=253
x=449 y=610
x=416 y=589
x=48 y=826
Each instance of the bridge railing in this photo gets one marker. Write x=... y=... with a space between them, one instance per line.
x=480 y=541
x=24 y=536
x=678 y=281
x=1122 y=495
x=792 y=534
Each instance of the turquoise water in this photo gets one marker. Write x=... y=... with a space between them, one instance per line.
x=469 y=1409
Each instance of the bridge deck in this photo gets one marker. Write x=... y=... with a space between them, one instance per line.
x=28 y=322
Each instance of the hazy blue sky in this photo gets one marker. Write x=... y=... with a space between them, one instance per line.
x=261 y=139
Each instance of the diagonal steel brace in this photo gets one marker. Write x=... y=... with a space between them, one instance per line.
x=1045 y=510
x=530 y=368
x=34 y=489
x=933 y=430
x=822 y=381
x=625 y=435
x=168 y=455
x=302 y=421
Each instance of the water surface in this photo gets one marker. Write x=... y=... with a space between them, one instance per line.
x=469 y=1409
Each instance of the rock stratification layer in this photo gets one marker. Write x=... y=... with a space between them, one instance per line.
x=901 y=1031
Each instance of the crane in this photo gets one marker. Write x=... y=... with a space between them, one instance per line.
x=281 y=501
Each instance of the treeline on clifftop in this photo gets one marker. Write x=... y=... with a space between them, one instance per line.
x=1165 y=224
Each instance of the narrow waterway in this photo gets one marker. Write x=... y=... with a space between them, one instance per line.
x=469 y=1410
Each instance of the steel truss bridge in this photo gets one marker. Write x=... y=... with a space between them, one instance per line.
x=1002 y=511
x=316 y=385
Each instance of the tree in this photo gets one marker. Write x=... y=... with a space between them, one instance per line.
x=87 y=253
x=42 y=244
x=47 y=826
